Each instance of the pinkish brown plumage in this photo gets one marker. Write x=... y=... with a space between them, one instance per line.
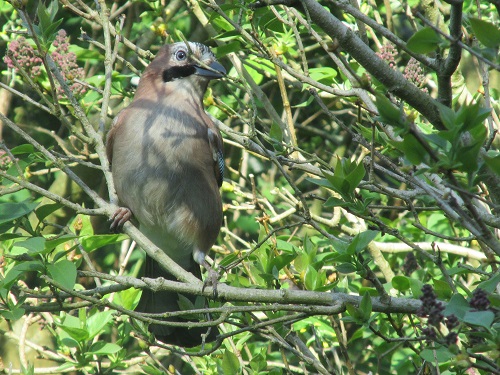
x=166 y=157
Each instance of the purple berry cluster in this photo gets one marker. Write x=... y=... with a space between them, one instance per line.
x=433 y=310
x=479 y=300
x=26 y=57
x=431 y=307
x=413 y=70
x=5 y=159
x=388 y=53
x=410 y=264
x=28 y=60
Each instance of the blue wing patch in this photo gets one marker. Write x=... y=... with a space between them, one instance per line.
x=221 y=165
x=218 y=156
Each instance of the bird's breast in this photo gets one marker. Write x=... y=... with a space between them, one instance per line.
x=164 y=172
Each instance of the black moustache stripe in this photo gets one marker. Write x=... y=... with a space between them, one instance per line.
x=177 y=72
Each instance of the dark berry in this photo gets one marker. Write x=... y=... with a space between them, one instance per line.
x=451 y=321
x=479 y=300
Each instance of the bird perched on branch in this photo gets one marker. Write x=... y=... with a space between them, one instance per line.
x=167 y=166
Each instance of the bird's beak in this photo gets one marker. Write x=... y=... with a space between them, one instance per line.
x=218 y=71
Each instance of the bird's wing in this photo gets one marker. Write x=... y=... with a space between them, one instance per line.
x=111 y=136
x=215 y=141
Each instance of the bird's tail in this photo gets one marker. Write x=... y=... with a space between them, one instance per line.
x=164 y=301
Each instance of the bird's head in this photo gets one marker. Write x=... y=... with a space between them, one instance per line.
x=183 y=65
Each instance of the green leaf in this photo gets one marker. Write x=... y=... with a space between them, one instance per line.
x=304 y=104
x=33 y=244
x=389 y=113
x=416 y=287
x=220 y=22
x=258 y=362
x=345 y=179
x=23 y=149
x=487 y=33
x=400 y=283
x=337 y=181
x=479 y=318
x=97 y=322
x=18 y=270
x=184 y=302
x=324 y=74
x=47 y=26
x=276 y=133
x=442 y=354
x=227 y=48
x=341 y=246
x=491 y=284
x=457 y=306
x=230 y=363
x=469 y=156
x=301 y=262
x=72 y=328
x=256 y=75
x=44 y=20
x=492 y=160
x=424 y=41
x=355 y=175
x=14 y=314
x=473 y=116
x=323 y=182
x=86 y=228
x=64 y=272
x=335 y=202
x=52 y=9
x=358 y=334
x=448 y=116
x=51 y=244
x=92 y=243
x=43 y=211
x=361 y=241
x=77 y=334
x=150 y=370
x=104 y=348
x=227 y=260
x=365 y=306
x=128 y=298
x=311 y=278
x=352 y=310
x=282 y=260
x=345 y=268
x=276 y=371
x=12 y=211
x=413 y=149
x=442 y=289
x=371 y=291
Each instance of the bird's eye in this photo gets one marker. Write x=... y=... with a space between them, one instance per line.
x=180 y=55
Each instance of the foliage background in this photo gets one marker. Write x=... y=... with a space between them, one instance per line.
x=362 y=163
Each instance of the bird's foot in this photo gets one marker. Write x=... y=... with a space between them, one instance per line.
x=212 y=280
x=119 y=218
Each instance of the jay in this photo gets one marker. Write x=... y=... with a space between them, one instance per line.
x=167 y=166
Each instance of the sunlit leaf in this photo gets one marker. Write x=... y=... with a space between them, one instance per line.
x=441 y=354
x=230 y=363
x=64 y=272
x=400 y=283
x=486 y=32
x=424 y=41
x=479 y=318
x=12 y=211
x=104 y=348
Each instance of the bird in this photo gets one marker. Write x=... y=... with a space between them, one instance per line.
x=167 y=164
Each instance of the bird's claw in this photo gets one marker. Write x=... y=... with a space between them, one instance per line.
x=119 y=218
x=212 y=279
